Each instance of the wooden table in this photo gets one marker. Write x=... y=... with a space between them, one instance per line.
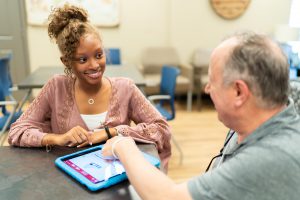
x=30 y=173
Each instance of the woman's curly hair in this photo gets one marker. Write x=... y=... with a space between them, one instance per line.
x=66 y=25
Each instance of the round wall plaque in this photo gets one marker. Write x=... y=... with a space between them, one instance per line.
x=229 y=9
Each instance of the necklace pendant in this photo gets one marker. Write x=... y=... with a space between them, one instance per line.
x=91 y=101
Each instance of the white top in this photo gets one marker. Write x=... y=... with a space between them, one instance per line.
x=94 y=121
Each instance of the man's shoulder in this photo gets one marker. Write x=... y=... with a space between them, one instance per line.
x=265 y=169
x=283 y=144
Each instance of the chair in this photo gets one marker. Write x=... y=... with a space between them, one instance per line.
x=293 y=60
x=295 y=93
x=200 y=63
x=6 y=88
x=113 y=56
x=166 y=97
x=152 y=61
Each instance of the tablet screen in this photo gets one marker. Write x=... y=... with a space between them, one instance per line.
x=94 y=167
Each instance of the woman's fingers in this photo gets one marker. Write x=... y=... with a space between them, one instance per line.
x=86 y=135
x=71 y=142
x=79 y=137
x=83 y=144
x=89 y=137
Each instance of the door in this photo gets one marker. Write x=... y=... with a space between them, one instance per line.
x=13 y=38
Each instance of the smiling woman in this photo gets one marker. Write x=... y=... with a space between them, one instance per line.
x=73 y=109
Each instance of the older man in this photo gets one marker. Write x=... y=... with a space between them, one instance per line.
x=248 y=84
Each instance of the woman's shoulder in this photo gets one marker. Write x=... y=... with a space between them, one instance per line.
x=122 y=86
x=59 y=82
x=121 y=81
x=59 y=79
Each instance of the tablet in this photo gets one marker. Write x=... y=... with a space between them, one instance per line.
x=90 y=169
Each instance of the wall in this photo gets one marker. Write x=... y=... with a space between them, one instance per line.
x=143 y=23
x=177 y=23
x=195 y=24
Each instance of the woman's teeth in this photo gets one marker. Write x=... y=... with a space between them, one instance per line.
x=93 y=74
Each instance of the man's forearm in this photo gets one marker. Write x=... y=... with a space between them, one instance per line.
x=149 y=182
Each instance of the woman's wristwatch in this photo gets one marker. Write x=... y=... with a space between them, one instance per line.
x=107 y=132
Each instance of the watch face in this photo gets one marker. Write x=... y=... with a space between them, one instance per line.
x=229 y=9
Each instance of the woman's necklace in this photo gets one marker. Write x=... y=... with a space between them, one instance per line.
x=91 y=101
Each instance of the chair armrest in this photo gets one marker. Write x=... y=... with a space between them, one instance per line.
x=14 y=88
x=153 y=98
x=187 y=70
x=5 y=103
x=141 y=68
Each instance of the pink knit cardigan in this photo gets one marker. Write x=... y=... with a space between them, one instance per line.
x=54 y=110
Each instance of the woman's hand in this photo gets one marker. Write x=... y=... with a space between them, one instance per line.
x=73 y=137
x=95 y=137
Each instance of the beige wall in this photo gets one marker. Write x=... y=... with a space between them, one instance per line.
x=196 y=25
x=185 y=25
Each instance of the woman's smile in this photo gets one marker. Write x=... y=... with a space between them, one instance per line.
x=93 y=74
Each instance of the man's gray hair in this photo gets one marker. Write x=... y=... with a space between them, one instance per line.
x=261 y=63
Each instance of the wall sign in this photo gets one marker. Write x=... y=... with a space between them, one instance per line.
x=229 y=9
x=101 y=12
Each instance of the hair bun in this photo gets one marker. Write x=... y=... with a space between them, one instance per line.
x=61 y=17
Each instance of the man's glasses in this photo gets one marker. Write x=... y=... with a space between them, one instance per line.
x=221 y=151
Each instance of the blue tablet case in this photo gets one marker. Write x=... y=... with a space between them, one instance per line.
x=59 y=162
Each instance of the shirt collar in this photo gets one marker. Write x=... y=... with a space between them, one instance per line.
x=283 y=117
x=286 y=115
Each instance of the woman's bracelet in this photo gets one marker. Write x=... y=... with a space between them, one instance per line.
x=48 y=148
x=47 y=145
x=113 y=146
x=107 y=132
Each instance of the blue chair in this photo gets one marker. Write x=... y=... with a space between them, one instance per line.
x=6 y=88
x=113 y=56
x=294 y=93
x=293 y=60
x=166 y=97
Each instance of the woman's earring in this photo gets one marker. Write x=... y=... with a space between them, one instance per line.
x=72 y=74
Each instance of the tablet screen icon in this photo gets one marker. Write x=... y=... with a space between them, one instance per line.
x=94 y=167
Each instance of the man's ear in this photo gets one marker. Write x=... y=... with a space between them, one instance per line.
x=242 y=92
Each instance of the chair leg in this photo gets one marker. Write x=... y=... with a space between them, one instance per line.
x=8 y=120
x=179 y=149
x=189 y=100
x=5 y=125
x=199 y=100
x=24 y=99
x=3 y=138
